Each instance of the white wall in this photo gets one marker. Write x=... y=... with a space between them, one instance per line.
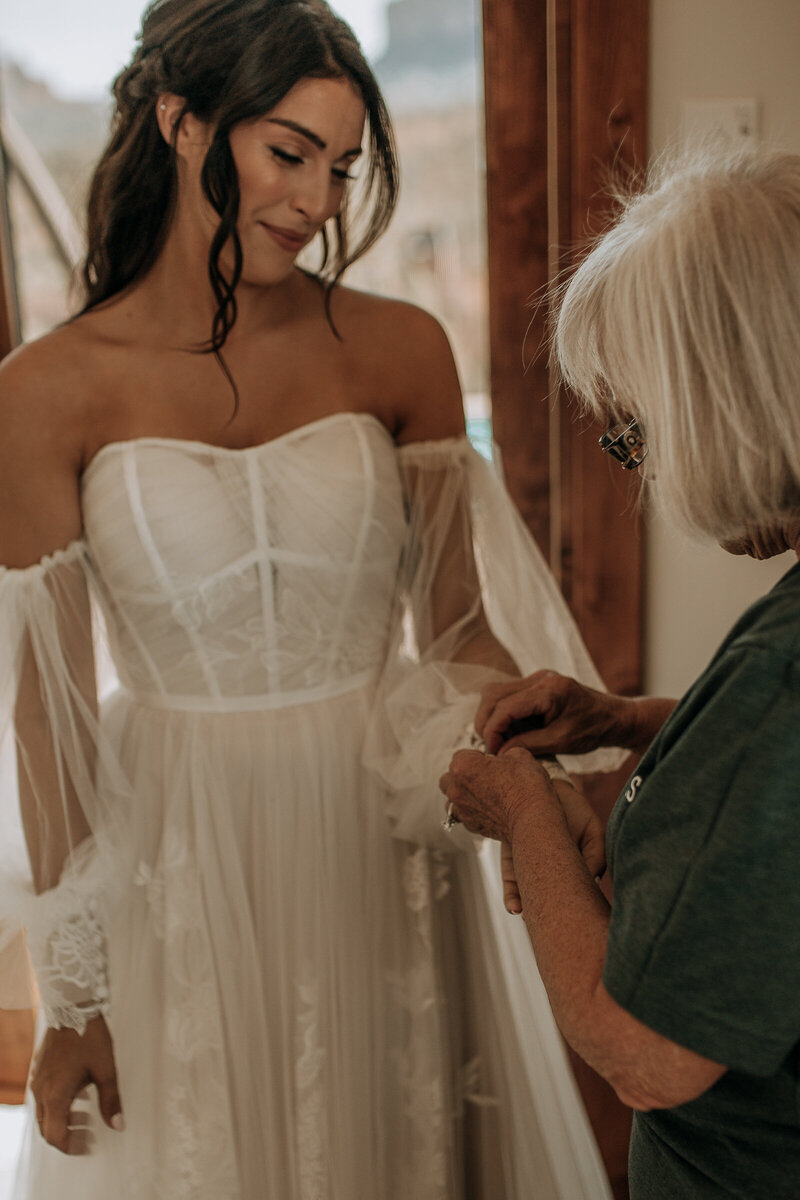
x=704 y=49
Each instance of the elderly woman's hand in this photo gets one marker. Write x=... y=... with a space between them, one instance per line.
x=548 y=713
x=489 y=794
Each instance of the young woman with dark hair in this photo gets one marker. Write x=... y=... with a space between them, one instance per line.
x=245 y=628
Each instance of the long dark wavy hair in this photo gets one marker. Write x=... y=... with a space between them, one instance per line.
x=231 y=61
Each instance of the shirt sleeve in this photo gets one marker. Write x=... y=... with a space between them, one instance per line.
x=703 y=943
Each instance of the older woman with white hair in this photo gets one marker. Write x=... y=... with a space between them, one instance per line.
x=681 y=328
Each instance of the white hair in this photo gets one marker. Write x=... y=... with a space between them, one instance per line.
x=686 y=316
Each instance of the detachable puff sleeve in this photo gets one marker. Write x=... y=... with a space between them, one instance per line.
x=62 y=793
x=476 y=603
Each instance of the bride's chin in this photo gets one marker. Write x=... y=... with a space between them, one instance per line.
x=263 y=275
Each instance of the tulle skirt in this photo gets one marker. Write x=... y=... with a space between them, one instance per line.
x=304 y=1007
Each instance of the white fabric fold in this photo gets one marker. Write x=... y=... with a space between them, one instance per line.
x=61 y=790
x=472 y=576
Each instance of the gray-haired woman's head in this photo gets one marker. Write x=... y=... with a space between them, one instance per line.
x=686 y=316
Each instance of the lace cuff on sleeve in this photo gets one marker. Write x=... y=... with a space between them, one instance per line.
x=61 y=795
x=70 y=964
x=472 y=577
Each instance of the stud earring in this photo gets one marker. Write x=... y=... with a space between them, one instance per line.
x=163 y=107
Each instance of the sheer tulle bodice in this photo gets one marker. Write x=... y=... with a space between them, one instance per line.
x=226 y=711
x=292 y=593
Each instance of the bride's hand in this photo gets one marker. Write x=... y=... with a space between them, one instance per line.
x=66 y=1064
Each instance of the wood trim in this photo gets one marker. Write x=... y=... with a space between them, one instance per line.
x=16 y=1028
x=566 y=90
x=604 y=105
x=10 y=325
x=565 y=87
x=515 y=71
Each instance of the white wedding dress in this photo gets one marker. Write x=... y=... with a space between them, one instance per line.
x=314 y=992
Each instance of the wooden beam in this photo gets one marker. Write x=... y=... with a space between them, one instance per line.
x=10 y=330
x=10 y=326
x=605 y=103
x=565 y=102
x=16 y=1028
x=515 y=70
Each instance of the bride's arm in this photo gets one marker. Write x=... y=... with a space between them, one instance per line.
x=431 y=411
x=54 y=713
x=469 y=565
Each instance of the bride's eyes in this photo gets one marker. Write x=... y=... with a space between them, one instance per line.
x=284 y=156
x=340 y=174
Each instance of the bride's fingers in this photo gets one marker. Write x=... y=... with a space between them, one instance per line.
x=54 y=1127
x=80 y=1142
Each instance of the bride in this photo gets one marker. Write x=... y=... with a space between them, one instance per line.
x=254 y=579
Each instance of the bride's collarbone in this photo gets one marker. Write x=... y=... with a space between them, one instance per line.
x=223 y=419
x=189 y=397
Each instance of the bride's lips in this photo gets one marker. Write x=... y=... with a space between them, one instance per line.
x=287 y=239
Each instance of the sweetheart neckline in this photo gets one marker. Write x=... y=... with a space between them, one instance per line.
x=212 y=448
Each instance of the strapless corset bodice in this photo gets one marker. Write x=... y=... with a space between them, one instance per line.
x=247 y=578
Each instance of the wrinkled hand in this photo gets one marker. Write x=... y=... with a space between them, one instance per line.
x=547 y=713
x=487 y=793
x=585 y=827
x=65 y=1065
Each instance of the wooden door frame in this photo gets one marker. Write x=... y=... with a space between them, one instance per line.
x=16 y=1028
x=10 y=325
x=566 y=94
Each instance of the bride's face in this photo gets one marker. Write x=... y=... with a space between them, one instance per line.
x=293 y=164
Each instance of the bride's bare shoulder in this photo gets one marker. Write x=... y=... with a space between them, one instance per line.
x=363 y=314
x=56 y=359
x=46 y=386
x=407 y=354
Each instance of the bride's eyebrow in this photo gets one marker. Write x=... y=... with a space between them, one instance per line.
x=309 y=134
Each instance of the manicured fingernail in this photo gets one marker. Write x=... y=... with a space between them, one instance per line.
x=513 y=909
x=118 y=1122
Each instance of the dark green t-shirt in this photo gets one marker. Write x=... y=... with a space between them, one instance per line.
x=704 y=944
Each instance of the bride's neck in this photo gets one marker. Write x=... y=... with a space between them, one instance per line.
x=176 y=295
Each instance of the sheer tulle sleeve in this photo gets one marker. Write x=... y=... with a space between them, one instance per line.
x=61 y=791
x=476 y=602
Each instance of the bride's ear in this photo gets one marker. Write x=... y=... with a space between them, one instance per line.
x=181 y=128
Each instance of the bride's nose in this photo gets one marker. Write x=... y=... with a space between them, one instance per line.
x=312 y=196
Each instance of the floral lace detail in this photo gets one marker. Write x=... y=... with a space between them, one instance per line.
x=198 y=1136
x=418 y=1065
x=470 y=1086
x=211 y=600
x=309 y=1067
x=71 y=964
